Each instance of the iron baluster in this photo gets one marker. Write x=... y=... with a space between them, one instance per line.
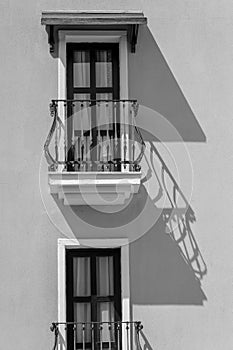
x=127 y=335
x=100 y=334
x=74 y=332
x=109 y=328
x=92 y=336
x=118 y=336
x=83 y=335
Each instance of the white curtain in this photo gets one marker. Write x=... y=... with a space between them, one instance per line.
x=104 y=79
x=103 y=68
x=106 y=314
x=104 y=287
x=82 y=279
x=104 y=275
x=81 y=117
x=82 y=313
x=81 y=69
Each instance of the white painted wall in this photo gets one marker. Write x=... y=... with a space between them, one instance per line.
x=195 y=38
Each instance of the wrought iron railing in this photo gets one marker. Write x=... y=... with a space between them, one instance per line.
x=96 y=335
x=94 y=135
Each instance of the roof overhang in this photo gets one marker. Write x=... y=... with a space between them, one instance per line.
x=93 y=20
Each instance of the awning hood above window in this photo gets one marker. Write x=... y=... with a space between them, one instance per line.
x=93 y=20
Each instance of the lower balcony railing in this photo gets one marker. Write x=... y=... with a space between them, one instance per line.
x=94 y=135
x=97 y=335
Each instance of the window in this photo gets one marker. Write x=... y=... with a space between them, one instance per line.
x=93 y=294
x=92 y=85
x=92 y=71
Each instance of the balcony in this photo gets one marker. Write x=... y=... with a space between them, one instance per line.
x=93 y=150
x=97 y=335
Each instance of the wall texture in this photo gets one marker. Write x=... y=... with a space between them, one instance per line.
x=185 y=59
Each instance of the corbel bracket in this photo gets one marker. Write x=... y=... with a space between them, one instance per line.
x=133 y=36
x=51 y=39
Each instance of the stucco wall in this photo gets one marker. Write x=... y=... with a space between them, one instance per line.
x=177 y=310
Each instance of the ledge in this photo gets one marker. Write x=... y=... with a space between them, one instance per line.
x=129 y=20
x=92 y=17
x=94 y=188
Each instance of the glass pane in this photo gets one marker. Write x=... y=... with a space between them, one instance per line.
x=104 y=275
x=82 y=314
x=81 y=113
x=105 y=313
x=81 y=276
x=104 y=111
x=81 y=68
x=103 y=68
x=82 y=124
x=82 y=97
x=104 y=96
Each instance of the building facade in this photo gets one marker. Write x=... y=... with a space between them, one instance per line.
x=116 y=148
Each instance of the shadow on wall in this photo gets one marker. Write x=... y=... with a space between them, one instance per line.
x=168 y=264
x=146 y=344
x=163 y=273
x=153 y=84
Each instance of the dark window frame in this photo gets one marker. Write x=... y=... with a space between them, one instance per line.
x=93 y=298
x=93 y=90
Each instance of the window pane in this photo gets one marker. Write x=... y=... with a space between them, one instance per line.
x=104 y=111
x=81 y=114
x=104 y=275
x=82 y=96
x=81 y=68
x=104 y=96
x=103 y=68
x=81 y=274
x=105 y=313
x=82 y=313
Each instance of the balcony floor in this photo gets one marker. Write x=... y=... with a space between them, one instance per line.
x=94 y=188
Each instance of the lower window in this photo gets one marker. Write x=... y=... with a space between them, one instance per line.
x=93 y=298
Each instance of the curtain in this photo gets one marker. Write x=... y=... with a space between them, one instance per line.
x=104 y=275
x=82 y=313
x=81 y=69
x=81 y=118
x=104 y=79
x=103 y=68
x=105 y=287
x=82 y=280
x=105 y=313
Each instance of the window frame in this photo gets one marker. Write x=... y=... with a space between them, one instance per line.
x=71 y=89
x=93 y=298
x=101 y=36
x=72 y=243
x=109 y=36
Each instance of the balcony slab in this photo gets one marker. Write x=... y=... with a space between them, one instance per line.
x=94 y=188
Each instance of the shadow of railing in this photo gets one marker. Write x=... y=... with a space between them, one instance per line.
x=145 y=345
x=178 y=215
